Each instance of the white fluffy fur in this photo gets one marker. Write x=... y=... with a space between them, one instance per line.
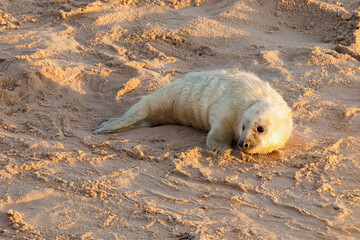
x=220 y=103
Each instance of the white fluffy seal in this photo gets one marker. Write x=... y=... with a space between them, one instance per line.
x=229 y=105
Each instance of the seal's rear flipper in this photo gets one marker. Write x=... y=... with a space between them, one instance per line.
x=134 y=117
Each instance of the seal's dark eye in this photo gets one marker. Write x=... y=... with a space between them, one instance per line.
x=243 y=127
x=260 y=129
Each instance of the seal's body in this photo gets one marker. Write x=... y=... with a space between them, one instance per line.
x=229 y=105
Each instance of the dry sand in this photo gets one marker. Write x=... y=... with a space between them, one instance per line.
x=67 y=65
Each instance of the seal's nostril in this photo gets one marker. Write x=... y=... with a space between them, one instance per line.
x=243 y=145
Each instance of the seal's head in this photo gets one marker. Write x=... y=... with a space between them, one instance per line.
x=264 y=127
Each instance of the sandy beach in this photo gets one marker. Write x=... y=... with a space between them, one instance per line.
x=66 y=66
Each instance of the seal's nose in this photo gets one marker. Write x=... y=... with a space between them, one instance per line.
x=243 y=145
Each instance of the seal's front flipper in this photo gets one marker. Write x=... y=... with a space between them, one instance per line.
x=220 y=137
